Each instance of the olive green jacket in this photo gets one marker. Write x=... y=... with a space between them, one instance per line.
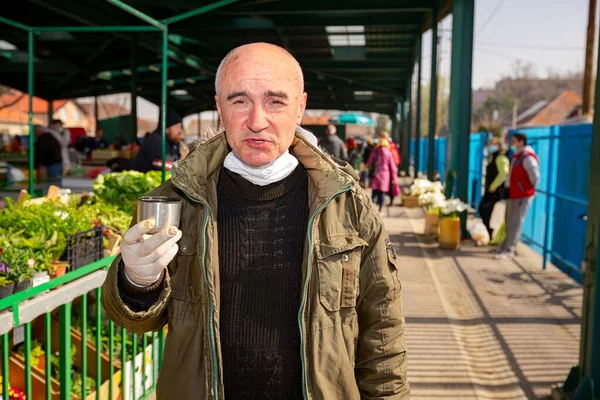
x=350 y=318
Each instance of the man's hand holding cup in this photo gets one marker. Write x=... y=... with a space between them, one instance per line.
x=146 y=256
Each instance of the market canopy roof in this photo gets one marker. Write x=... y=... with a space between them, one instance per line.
x=356 y=55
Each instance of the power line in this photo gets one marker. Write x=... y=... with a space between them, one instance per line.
x=531 y=46
x=487 y=21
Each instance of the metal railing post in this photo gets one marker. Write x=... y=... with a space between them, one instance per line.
x=549 y=194
x=65 y=351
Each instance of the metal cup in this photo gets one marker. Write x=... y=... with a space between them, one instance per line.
x=164 y=210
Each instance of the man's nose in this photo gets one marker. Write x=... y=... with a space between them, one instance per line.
x=257 y=120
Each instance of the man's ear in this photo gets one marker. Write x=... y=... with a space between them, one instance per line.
x=301 y=107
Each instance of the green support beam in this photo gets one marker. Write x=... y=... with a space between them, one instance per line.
x=134 y=73
x=408 y=131
x=460 y=95
x=90 y=29
x=15 y=24
x=30 y=92
x=198 y=11
x=402 y=120
x=136 y=13
x=433 y=96
x=163 y=102
x=418 y=107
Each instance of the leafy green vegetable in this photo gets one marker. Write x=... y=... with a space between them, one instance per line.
x=122 y=189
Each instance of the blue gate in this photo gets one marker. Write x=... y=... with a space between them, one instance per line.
x=555 y=226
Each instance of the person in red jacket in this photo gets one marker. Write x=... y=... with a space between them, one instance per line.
x=522 y=179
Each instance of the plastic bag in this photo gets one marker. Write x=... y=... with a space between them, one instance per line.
x=499 y=235
x=478 y=232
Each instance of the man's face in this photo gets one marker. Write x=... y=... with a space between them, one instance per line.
x=260 y=103
x=99 y=134
x=515 y=142
x=174 y=132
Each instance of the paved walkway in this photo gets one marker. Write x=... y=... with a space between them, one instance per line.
x=479 y=328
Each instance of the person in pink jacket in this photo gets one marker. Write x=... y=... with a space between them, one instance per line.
x=383 y=171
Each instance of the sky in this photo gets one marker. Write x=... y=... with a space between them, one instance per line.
x=548 y=33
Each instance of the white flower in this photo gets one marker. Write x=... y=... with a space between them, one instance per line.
x=453 y=206
x=64 y=215
x=57 y=214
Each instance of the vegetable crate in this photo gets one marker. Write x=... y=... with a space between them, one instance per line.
x=85 y=247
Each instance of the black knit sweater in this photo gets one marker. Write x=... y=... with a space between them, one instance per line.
x=261 y=242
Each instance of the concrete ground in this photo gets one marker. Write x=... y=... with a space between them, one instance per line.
x=479 y=328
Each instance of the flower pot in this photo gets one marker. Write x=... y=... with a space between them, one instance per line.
x=42 y=362
x=7 y=290
x=449 y=237
x=410 y=201
x=58 y=269
x=431 y=224
x=23 y=285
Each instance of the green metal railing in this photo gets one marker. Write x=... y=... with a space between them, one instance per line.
x=120 y=364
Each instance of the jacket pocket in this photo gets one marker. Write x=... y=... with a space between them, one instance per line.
x=393 y=266
x=185 y=269
x=338 y=263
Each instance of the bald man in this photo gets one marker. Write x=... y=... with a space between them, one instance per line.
x=280 y=281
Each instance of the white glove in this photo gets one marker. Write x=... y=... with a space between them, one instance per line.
x=146 y=256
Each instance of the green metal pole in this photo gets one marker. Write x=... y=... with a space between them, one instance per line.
x=408 y=135
x=198 y=11
x=136 y=13
x=134 y=73
x=418 y=116
x=433 y=95
x=65 y=351
x=5 y=363
x=393 y=133
x=15 y=24
x=401 y=120
x=30 y=61
x=163 y=103
x=460 y=96
x=50 y=110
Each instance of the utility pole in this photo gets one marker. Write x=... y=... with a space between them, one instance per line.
x=588 y=75
x=515 y=110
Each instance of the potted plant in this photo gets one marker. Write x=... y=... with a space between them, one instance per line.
x=431 y=201
x=450 y=210
x=6 y=284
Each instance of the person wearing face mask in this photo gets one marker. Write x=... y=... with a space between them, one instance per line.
x=280 y=281
x=523 y=177
x=495 y=176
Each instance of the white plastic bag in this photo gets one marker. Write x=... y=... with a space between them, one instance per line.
x=478 y=232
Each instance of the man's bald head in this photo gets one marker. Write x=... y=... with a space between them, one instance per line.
x=262 y=51
x=260 y=99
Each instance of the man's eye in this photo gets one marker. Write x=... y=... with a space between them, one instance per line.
x=239 y=102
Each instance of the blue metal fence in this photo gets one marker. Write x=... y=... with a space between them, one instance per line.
x=478 y=141
x=554 y=226
x=476 y=162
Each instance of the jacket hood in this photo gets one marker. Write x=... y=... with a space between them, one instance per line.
x=193 y=174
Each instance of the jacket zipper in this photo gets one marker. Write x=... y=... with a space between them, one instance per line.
x=305 y=286
x=211 y=308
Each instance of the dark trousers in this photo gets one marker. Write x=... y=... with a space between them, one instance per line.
x=378 y=198
x=486 y=207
